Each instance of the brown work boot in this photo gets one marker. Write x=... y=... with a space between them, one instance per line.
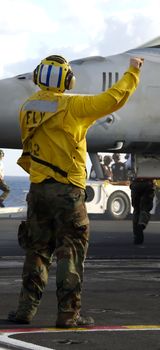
x=23 y=314
x=68 y=320
x=13 y=316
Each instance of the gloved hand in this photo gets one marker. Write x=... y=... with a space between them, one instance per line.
x=136 y=62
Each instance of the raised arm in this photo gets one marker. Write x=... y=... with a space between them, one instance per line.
x=97 y=106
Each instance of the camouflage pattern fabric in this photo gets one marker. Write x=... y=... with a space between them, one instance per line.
x=5 y=190
x=57 y=223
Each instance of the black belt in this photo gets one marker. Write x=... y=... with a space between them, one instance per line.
x=142 y=180
x=49 y=181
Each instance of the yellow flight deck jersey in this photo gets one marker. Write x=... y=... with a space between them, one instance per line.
x=54 y=127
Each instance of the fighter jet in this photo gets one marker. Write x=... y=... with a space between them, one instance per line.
x=134 y=129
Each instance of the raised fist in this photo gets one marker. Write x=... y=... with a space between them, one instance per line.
x=136 y=62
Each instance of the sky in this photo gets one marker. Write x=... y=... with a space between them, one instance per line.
x=30 y=30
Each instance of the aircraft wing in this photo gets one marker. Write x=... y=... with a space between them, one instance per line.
x=149 y=51
x=152 y=43
x=151 y=54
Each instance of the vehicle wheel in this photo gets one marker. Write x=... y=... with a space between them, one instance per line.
x=118 y=206
x=89 y=194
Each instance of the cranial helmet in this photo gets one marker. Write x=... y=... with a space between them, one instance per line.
x=54 y=74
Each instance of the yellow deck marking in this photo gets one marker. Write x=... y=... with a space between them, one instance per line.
x=109 y=328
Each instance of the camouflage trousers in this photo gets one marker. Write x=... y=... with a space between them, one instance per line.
x=57 y=225
x=5 y=190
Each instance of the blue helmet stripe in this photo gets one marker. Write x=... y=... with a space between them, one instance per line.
x=59 y=77
x=40 y=74
x=48 y=74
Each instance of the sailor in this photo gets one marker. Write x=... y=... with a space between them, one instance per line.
x=53 y=130
x=118 y=169
x=3 y=186
x=142 y=195
x=107 y=167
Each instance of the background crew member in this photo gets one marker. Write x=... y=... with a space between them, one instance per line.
x=54 y=127
x=142 y=195
x=107 y=167
x=118 y=168
x=3 y=186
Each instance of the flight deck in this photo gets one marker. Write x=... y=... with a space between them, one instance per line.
x=121 y=291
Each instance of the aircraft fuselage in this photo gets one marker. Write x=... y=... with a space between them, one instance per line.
x=134 y=128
